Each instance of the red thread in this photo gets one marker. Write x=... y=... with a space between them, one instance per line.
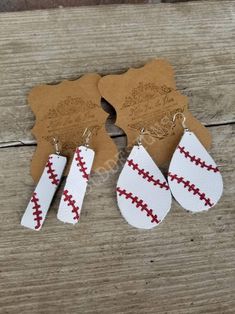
x=139 y=203
x=81 y=164
x=51 y=172
x=191 y=188
x=71 y=202
x=37 y=213
x=146 y=175
x=196 y=160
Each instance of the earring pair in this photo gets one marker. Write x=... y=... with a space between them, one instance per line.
x=74 y=189
x=143 y=193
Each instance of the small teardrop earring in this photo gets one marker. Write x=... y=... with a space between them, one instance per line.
x=143 y=194
x=194 y=179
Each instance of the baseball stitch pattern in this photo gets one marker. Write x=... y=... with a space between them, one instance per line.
x=81 y=164
x=52 y=175
x=146 y=175
x=139 y=203
x=191 y=188
x=197 y=161
x=71 y=202
x=37 y=213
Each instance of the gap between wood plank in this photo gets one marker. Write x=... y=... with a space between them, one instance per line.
x=34 y=143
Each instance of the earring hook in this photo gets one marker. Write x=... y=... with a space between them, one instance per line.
x=86 y=135
x=182 y=121
x=56 y=145
x=139 y=139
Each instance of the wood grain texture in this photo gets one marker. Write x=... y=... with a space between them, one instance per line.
x=102 y=265
x=197 y=39
x=21 y=5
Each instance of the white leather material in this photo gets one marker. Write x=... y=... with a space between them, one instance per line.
x=76 y=184
x=194 y=179
x=40 y=201
x=143 y=194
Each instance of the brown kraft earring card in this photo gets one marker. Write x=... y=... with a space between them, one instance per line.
x=63 y=112
x=147 y=98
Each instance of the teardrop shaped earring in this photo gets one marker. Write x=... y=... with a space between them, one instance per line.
x=194 y=179
x=143 y=194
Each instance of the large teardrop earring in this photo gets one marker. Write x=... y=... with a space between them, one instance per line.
x=143 y=194
x=194 y=179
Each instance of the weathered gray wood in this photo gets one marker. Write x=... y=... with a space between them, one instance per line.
x=43 y=47
x=102 y=265
x=21 y=5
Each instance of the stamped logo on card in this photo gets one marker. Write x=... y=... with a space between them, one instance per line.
x=147 y=98
x=64 y=111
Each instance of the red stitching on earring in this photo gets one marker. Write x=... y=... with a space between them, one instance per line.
x=146 y=175
x=51 y=172
x=196 y=160
x=81 y=164
x=191 y=188
x=139 y=203
x=37 y=213
x=71 y=202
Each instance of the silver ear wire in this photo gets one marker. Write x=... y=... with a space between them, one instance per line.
x=139 y=139
x=56 y=145
x=182 y=121
x=86 y=137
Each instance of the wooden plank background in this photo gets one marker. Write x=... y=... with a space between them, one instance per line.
x=21 y=5
x=102 y=265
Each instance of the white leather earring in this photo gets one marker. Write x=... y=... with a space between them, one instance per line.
x=194 y=179
x=143 y=194
x=40 y=201
x=75 y=187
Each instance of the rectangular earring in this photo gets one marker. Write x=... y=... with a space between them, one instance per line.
x=76 y=183
x=40 y=201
